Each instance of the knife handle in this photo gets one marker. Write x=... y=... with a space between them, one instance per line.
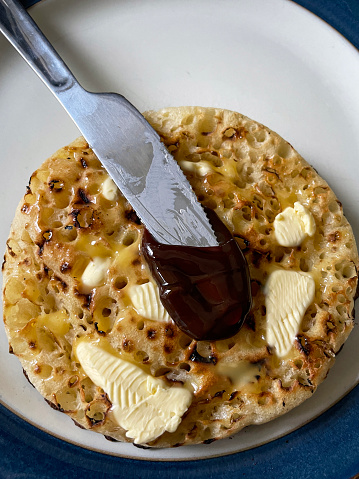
x=23 y=33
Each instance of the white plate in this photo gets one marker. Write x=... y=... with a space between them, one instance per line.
x=272 y=61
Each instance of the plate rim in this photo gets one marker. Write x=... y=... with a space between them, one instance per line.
x=321 y=10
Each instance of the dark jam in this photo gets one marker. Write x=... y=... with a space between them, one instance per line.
x=206 y=290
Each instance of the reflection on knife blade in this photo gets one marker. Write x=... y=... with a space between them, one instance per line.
x=161 y=195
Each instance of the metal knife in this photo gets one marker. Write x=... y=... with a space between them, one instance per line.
x=125 y=143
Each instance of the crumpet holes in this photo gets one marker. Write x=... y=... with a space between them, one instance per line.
x=349 y=271
x=130 y=238
x=185 y=366
x=184 y=341
x=120 y=282
x=140 y=325
x=141 y=356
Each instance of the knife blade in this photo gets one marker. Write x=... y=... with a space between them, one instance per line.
x=125 y=143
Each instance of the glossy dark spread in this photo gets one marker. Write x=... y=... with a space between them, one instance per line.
x=206 y=291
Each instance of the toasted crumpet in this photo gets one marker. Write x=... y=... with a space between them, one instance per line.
x=72 y=220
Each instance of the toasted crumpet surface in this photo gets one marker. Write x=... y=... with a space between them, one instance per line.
x=247 y=174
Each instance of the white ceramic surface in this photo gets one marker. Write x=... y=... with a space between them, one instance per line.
x=272 y=61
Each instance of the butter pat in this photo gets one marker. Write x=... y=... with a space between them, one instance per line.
x=201 y=168
x=95 y=272
x=143 y=405
x=288 y=295
x=293 y=225
x=109 y=189
x=145 y=299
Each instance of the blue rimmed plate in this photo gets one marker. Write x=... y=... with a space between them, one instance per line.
x=273 y=61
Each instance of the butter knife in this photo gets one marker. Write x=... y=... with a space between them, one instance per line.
x=125 y=143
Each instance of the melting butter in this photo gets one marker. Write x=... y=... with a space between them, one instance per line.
x=143 y=405
x=288 y=295
x=109 y=189
x=240 y=373
x=95 y=272
x=145 y=299
x=293 y=225
x=201 y=168
x=58 y=321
